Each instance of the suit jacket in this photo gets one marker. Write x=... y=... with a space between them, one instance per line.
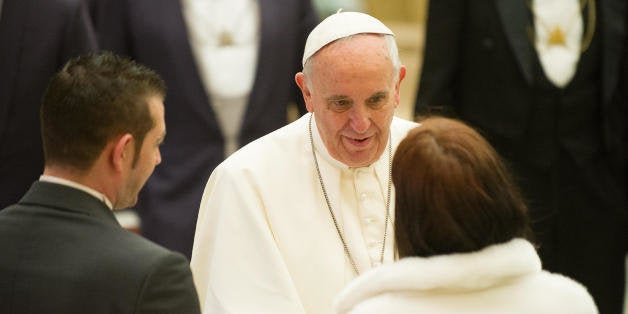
x=36 y=38
x=64 y=252
x=479 y=65
x=154 y=33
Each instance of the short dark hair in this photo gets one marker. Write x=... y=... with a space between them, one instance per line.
x=93 y=99
x=453 y=192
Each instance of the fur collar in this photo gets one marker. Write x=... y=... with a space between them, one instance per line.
x=488 y=267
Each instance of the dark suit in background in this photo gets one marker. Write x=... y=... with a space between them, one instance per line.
x=36 y=38
x=564 y=144
x=63 y=250
x=154 y=33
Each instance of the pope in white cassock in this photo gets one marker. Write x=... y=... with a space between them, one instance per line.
x=288 y=220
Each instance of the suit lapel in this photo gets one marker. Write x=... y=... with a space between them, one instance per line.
x=195 y=88
x=267 y=18
x=612 y=22
x=12 y=27
x=513 y=14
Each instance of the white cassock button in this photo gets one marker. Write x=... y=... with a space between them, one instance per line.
x=369 y=220
x=363 y=196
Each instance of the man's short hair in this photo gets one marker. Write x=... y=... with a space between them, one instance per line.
x=92 y=100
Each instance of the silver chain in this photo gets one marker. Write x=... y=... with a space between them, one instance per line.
x=331 y=211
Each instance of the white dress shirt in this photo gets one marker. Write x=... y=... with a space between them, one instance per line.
x=559 y=61
x=227 y=71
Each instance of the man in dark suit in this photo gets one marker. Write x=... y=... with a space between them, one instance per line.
x=36 y=38
x=558 y=121
x=63 y=251
x=167 y=36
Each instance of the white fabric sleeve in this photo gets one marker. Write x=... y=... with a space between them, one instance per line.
x=236 y=263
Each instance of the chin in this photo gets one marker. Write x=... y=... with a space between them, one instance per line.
x=362 y=159
x=356 y=163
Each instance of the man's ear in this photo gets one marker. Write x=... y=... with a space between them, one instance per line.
x=307 y=94
x=122 y=151
x=402 y=75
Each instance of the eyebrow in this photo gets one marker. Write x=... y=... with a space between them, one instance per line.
x=342 y=97
x=337 y=97
x=380 y=94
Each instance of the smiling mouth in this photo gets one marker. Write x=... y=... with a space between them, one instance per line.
x=359 y=141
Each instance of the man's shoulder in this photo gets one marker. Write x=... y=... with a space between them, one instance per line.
x=90 y=243
x=133 y=246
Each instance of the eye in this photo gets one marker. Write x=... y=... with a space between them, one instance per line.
x=377 y=101
x=339 y=104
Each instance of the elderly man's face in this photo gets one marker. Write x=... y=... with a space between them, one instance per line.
x=353 y=95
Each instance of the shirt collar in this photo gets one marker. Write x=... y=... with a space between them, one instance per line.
x=78 y=186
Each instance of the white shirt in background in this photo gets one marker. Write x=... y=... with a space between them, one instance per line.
x=224 y=36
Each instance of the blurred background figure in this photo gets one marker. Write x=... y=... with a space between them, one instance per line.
x=328 y=7
x=545 y=81
x=36 y=38
x=461 y=228
x=229 y=66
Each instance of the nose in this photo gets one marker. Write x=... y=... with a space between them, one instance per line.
x=360 y=119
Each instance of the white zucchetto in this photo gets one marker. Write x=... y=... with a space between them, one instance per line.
x=340 y=25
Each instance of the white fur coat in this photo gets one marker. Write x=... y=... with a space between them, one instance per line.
x=504 y=278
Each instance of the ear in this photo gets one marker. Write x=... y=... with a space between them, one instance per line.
x=122 y=151
x=402 y=75
x=307 y=95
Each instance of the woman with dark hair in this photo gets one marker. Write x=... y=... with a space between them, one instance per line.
x=462 y=234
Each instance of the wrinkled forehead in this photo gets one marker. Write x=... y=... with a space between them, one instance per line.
x=360 y=49
x=341 y=25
